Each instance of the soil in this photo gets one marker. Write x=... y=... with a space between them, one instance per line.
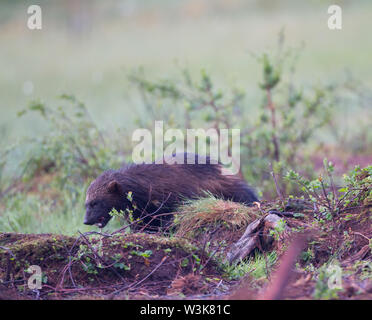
x=154 y=266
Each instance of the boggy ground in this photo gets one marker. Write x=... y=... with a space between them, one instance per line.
x=195 y=260
x=94 y=267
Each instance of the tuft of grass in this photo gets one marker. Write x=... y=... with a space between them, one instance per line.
x=257 y=267
x=196 y=215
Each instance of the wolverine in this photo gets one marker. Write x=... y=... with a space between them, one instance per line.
x=150 y=191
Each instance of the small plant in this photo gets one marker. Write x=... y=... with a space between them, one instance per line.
x=127 y=215
x=145 y=254
x=118 y=262
x=363 y=269
x=278 y=230
x=74 y=147
x=358 y=187
x=287 y=120
x=307 y=255
x=328 y=201
x=117 y=214
x=132 y=208
x=185 y=262
x=258 y=266
x=325 y=288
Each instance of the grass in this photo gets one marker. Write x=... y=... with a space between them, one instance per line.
x=257 y=267
x=208 y=213
x=31 y=213
x=94 y=64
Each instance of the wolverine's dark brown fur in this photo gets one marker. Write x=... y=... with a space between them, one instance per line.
x=159 y=189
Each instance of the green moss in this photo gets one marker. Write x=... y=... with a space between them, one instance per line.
x=26 y=250
x=138 y=239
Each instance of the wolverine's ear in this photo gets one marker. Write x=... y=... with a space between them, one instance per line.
x=114 y=187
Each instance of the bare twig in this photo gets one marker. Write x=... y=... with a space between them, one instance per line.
x=153 y=215
x=275 y=141
x=133 y=285
x=279 y=192
x=98 y=256
x=329 y=205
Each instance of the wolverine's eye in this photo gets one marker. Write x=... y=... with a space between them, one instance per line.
x=93 y=204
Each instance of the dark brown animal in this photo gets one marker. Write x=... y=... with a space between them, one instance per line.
x=158 y=189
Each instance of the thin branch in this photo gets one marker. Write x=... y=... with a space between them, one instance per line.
x=278 y=191
x=133 y=285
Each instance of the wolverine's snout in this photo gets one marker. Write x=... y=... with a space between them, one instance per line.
x=88 y=221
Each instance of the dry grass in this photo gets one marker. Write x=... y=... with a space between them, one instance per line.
x=210 y=213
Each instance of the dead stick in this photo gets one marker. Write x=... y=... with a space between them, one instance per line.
x=277 y=185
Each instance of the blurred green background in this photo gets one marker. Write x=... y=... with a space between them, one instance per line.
x=87 y=48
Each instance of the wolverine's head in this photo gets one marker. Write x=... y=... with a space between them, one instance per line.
x=103 y=195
